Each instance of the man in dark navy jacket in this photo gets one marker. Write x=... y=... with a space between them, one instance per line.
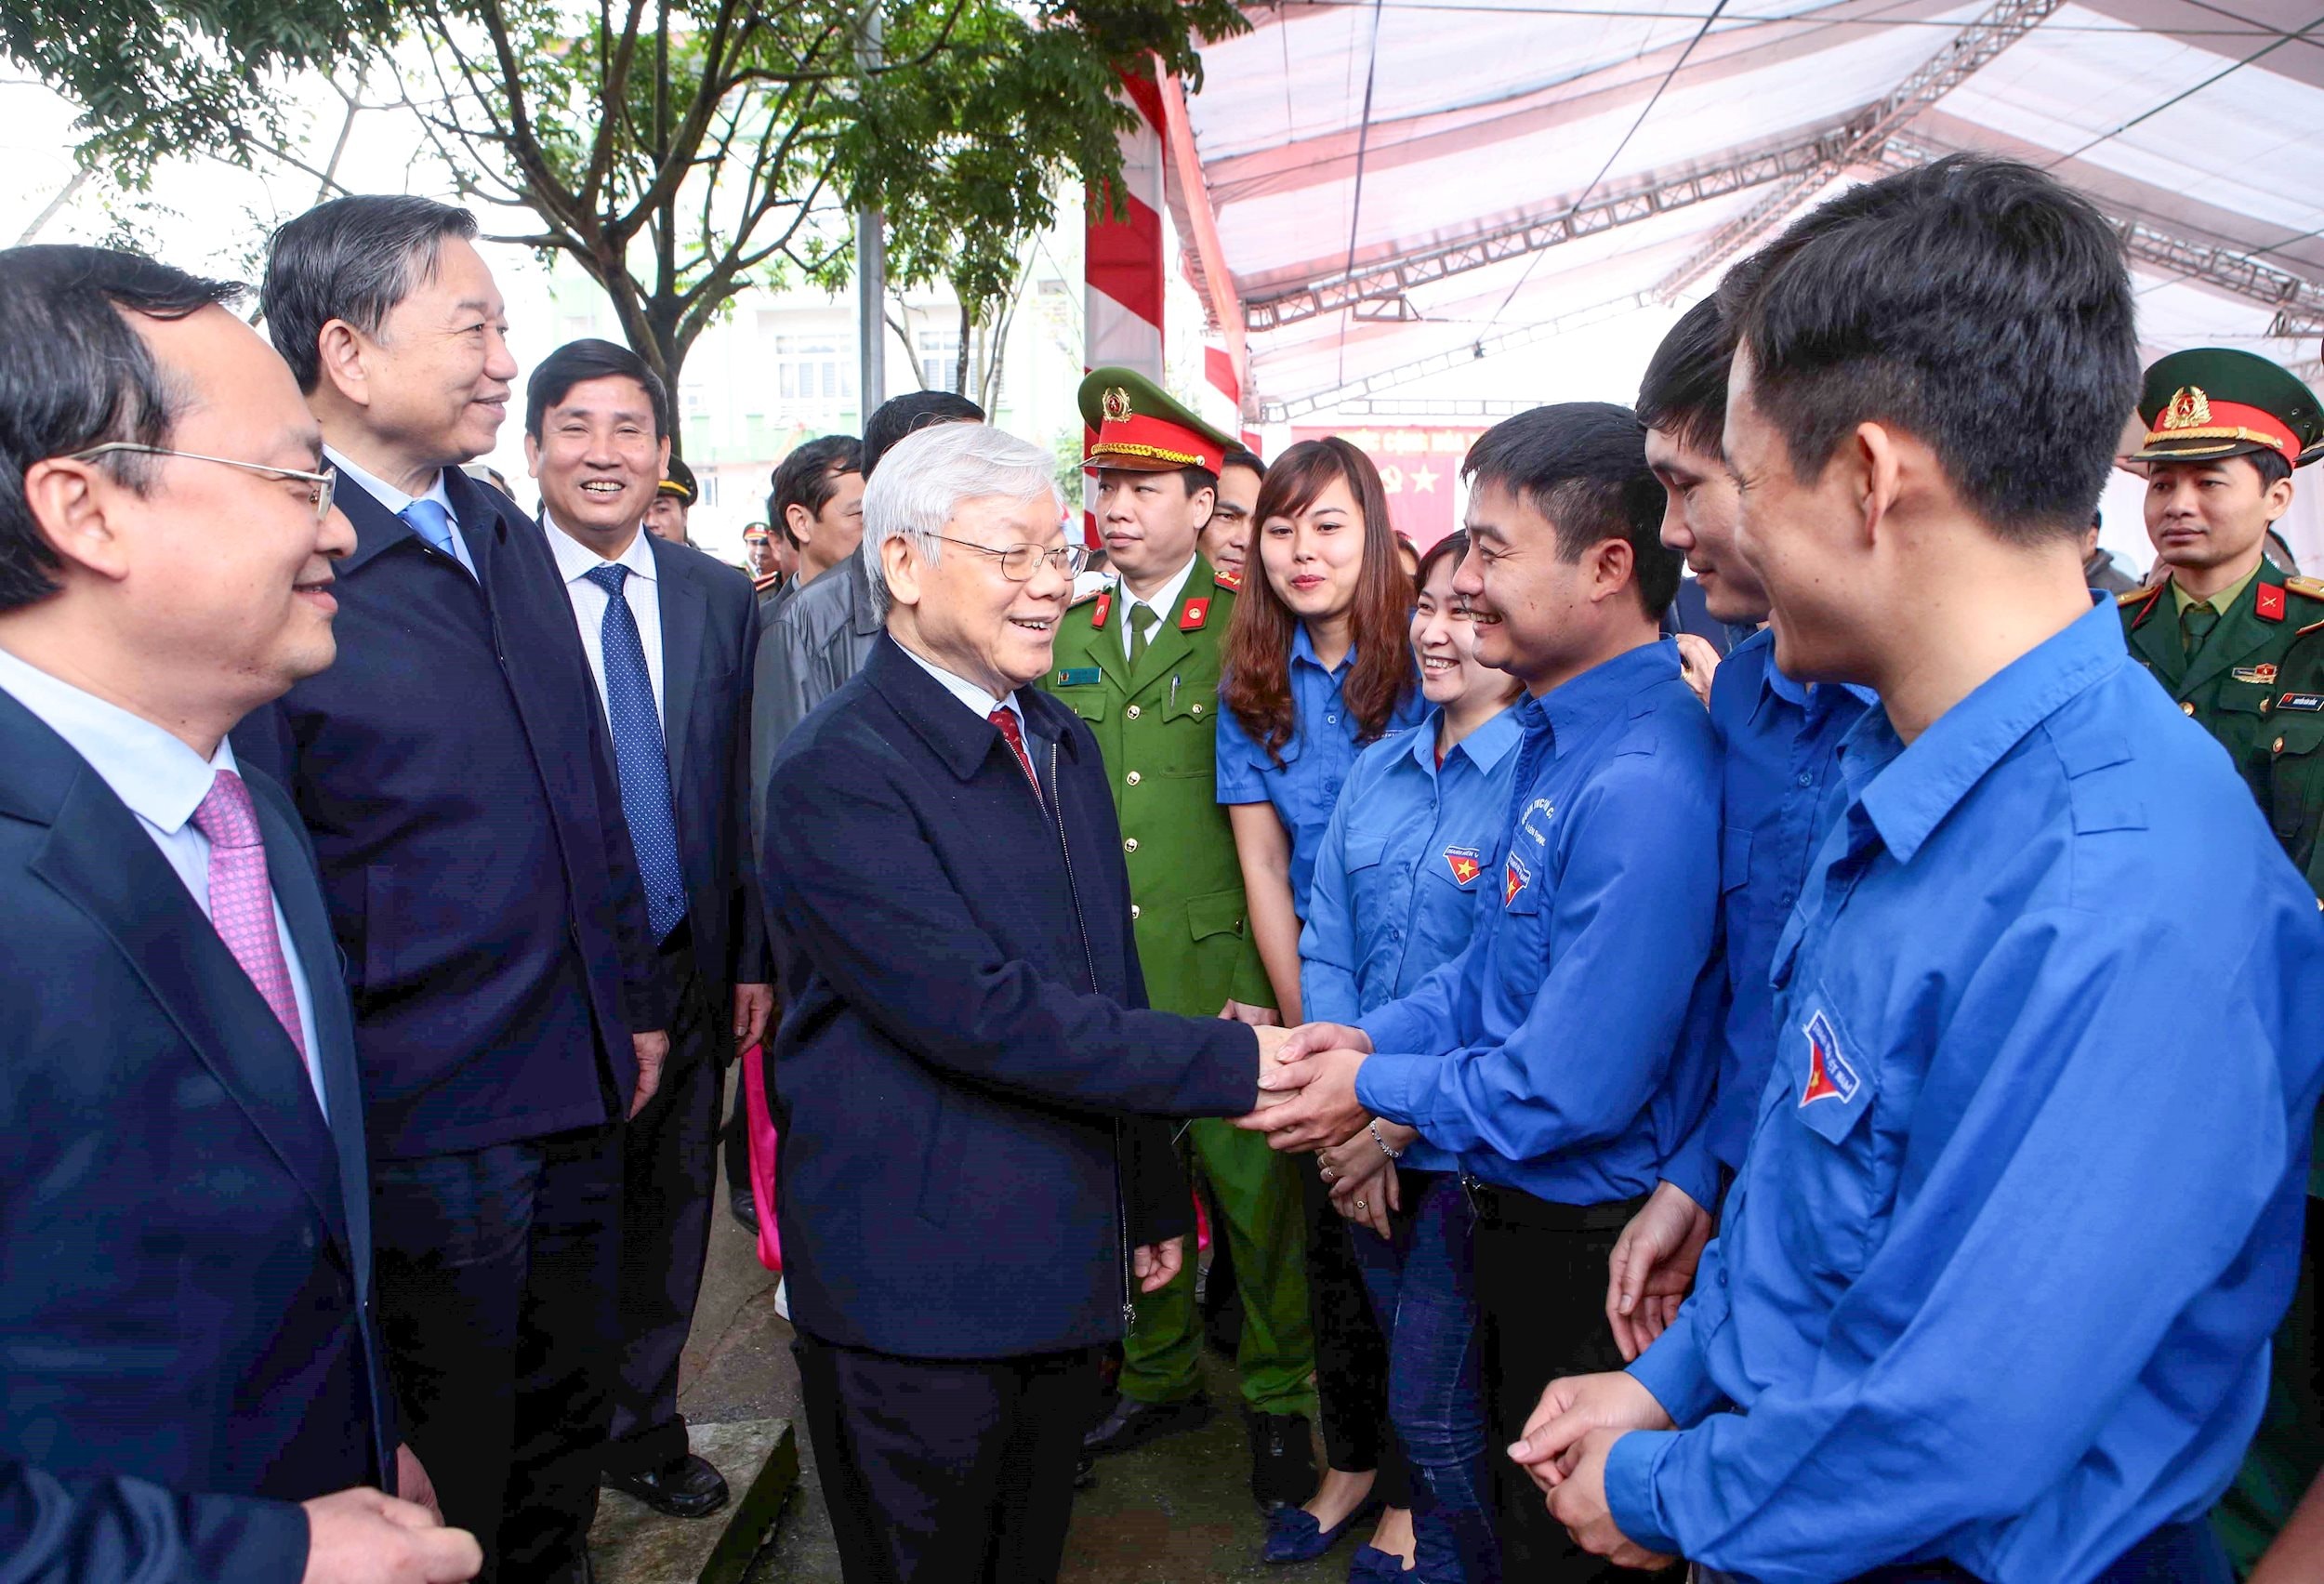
x=969 y=1199
x=453 y=770
x=187 y=1357
x=669 y=634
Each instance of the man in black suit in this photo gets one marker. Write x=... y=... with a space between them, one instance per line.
x=669 y=635
x=510 y=1006
x=972 y=1181
x=190 y=1387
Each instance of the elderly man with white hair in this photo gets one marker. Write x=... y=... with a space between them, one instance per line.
x=975 y=1175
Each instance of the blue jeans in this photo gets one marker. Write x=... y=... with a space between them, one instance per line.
x=1421 y=1287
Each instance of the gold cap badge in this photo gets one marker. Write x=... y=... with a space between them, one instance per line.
x=2188 y=408
x=1117 y=404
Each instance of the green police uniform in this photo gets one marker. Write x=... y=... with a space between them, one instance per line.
x=1156 y=723
x=2248 y=665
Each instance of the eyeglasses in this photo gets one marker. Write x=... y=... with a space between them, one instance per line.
x=1018 y=562
x=325 y=482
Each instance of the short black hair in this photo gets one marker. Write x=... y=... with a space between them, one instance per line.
x=1685 y=388
x=1976 y=304
x=900 y=415
x=352 y=258
x=578 y=362
x=808 y=477
x=2273 y=466
x=1583 y=465
x=74 y=373
x=1238 y=456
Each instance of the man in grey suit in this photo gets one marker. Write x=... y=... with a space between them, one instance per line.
x=669 y=634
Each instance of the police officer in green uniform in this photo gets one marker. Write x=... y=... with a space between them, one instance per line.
x=1139 y=664
x=2241 y=645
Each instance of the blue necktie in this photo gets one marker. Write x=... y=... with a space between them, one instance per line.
x=431 y=522
x=639 y=754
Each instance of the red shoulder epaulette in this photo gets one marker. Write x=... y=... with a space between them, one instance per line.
x=1230 y=582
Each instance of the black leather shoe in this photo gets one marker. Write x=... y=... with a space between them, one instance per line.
x=1282 y=1459
x=1085 y=1472
x=1133 y=1423
x=744 y=1205
x=687 y=1487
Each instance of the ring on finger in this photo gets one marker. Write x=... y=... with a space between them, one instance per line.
x=1361 y=1206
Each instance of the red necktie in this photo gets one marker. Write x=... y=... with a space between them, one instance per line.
x=1005 y=719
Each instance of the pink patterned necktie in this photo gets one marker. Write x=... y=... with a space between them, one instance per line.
x=242 y=901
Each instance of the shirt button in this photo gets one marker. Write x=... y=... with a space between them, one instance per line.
x=1806 y=779
x=1132 y=778
x=1131 y=712
x=1130 y=844
x=1197 y=709
x=1332 y=720
x=1133 y=913
x=2188 y=708
x=2278 y=748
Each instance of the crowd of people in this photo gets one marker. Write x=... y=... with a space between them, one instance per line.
x=1815 y=1097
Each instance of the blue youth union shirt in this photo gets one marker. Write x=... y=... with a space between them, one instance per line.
x=1315 y=761
x=1411 y=851
x=2024 y=1197
x=1547 y=1054
x=1778 y=758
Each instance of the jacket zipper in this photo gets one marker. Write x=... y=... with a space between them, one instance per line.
x=1088 y=961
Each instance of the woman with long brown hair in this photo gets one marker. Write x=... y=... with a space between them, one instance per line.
x=1317 y=666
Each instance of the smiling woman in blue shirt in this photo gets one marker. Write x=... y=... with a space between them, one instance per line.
x=1412 y=848
x=1316 y=667
x=1992 y=1294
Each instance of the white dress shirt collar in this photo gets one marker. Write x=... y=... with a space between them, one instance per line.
x=160 y=777
x=1165 y=600
x=576 y=560
x=968 y=692
x=386 y=495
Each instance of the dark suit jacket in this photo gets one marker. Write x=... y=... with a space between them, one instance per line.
x=452 y=769
x=816 y=640
x=966 y=1029
x=185 y=1244
x=709 y=638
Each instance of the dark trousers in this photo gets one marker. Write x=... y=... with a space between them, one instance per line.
x=669 y=1173
x=1541 y=1286
x=2176 y=1553
x=1350 y=1355
x=1424 y=1295
x=946 y=1471
x=496 y=1271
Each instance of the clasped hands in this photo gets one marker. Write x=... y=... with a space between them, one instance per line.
x=1306 y=1097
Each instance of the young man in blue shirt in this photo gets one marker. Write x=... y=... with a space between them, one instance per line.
x=2022 y=1202
x=1778 y=748
x=1547 y=1055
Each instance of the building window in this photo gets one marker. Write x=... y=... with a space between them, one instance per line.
x=940 y=359
x=813 y=371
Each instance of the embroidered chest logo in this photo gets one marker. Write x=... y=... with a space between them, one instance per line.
x=1514 y=879
x=1829 y=1076
x=1546 y=810
x=1466 y=863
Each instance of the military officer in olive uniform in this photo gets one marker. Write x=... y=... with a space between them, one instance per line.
x=2241 y=645
x=1139 y=664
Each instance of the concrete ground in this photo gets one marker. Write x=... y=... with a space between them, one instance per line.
x=1177 y=1510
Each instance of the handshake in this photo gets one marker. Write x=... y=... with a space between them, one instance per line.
x=1306 y=1097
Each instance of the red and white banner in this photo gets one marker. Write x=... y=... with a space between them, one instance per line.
x=1122 y=270
x=1419 y=468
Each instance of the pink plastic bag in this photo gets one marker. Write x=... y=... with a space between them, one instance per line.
x=762 y=1142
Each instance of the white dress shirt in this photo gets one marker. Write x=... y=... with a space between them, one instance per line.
x=575 y=561
x=163 y=781
x=1165 y=601
x=968 y=692
x=395 y=500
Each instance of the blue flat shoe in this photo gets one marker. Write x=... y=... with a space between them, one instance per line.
x=1372 y=1565
x=1294 y=1536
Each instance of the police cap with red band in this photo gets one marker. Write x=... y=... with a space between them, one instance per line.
x=1139 y=430
x=2213 y=402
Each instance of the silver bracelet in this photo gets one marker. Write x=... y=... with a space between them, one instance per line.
x=1391 y=1155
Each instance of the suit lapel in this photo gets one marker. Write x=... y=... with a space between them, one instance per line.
x=2155 y=638
x=1105 y=641
x=685 y=612
x=100 y=857
x=2240 y=634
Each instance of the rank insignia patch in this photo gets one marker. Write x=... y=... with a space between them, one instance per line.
x=1829 y=1074
x=2269 y=602
x=1514 y=879
x=1466 y=866
x=1196 y=613
x=1104 y=607
x=2263 y=675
